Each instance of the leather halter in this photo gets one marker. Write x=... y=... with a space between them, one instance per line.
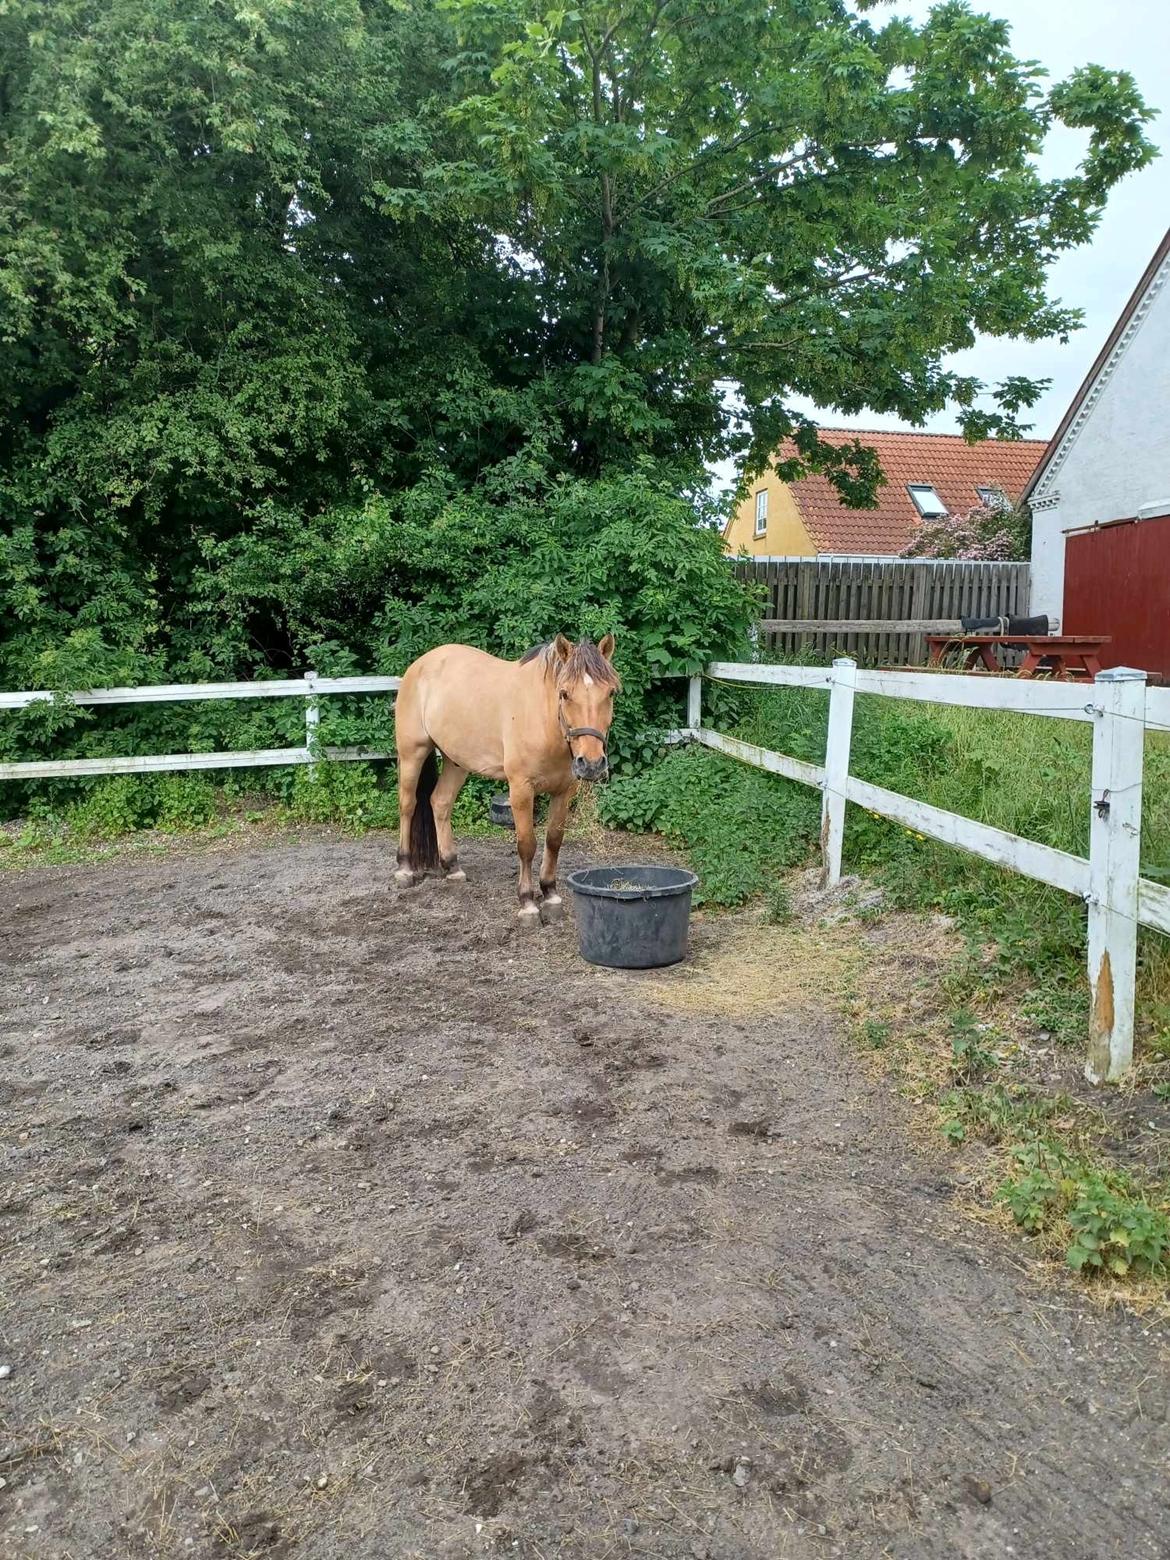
x=571 y=733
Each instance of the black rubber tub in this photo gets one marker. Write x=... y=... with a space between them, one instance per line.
x=632 y=918
x=500 y=812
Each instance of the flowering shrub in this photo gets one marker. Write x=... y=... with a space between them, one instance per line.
x=990 y=534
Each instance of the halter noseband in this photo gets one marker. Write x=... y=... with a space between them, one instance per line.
x=571 y=733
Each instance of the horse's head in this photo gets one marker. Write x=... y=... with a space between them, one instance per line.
x=585 y=684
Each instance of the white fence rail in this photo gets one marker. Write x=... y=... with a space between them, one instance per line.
x=1118 y=704
x=1120 y=708
x=310 y=688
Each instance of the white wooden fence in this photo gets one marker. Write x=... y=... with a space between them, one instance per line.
x=310 y=687
x=1118 y=704
x=1120 y=708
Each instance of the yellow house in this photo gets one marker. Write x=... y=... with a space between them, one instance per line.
x=926 y=475
x=767 y=523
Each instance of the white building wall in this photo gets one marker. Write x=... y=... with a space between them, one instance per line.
x=1116 y=456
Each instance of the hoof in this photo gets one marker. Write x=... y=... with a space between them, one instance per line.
x=528 y=915
x=458 y=876
x=553 y=909
x=404 y=877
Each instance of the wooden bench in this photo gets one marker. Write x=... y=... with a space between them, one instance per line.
x=1075 y=656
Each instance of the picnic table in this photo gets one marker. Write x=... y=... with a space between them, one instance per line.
x=1059 y=655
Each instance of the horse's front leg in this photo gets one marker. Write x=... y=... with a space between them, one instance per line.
x=558 y=813
x=521 y=798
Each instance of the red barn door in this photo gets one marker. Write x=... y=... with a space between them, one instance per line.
x=1117 y=582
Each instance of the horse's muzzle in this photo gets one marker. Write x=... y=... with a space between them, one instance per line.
x=590 y=768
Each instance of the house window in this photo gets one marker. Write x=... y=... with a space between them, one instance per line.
x=927 y=502
x=761 y=511
x=992 y=498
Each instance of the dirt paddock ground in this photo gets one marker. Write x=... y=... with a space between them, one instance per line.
x=340 y=1221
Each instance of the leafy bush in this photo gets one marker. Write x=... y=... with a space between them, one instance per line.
x=369 y=587
x=352 y=795
x=116 y=805
x=183 y=801
x=740 y=829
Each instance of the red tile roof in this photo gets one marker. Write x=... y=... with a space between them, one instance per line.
x=944 y=461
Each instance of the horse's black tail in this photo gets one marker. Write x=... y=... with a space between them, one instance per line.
x=424 y=842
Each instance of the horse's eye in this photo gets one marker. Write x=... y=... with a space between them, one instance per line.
x=564 y=694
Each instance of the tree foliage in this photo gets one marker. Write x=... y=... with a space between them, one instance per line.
x=342 y=321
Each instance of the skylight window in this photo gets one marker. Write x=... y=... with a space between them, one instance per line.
x=927 y=502
x=992 y=498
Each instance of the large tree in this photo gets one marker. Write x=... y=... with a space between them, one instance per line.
x=784 y=194
x=266 y=254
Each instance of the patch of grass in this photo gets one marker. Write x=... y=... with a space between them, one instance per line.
x=1020 y=773
x=1001 y=1113
x=738 y=828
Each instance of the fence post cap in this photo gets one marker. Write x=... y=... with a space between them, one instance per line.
x=844 y=660
x=1121 y=674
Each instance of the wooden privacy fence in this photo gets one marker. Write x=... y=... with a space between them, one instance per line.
x=1120 y=708
x=810 y=601
x=310 y=687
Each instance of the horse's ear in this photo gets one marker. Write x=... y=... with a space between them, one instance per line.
x=606 y=647
x=562 y=648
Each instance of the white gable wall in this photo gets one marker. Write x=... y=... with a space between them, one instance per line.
x=1116 y=455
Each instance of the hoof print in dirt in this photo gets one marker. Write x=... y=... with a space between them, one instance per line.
x=784 y=1395
x=181 y=1386
x=522 y=1224
x=756 y=1127
x=689 y=1175
x=487 y=1485
x=353 y=1399
x=573 y=1245
x=257 y=1533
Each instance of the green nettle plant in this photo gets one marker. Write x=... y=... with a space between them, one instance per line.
x=332 y=330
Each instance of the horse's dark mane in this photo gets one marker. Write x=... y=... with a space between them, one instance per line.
x=583 y=660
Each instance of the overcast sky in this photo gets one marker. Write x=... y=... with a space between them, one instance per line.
x=1131 y=35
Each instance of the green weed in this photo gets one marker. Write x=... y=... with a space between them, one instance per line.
x=778 y=905
x=971 y=1058
x=1105 y=1222
x=874 y=1034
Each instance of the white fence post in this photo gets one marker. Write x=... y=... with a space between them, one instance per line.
x=1115 y=838
x=694 y=703
x=838 y=742
x=312 y=722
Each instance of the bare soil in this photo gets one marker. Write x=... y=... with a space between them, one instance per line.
x=345 y=1222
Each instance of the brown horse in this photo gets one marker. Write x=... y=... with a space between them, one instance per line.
x=540 y=723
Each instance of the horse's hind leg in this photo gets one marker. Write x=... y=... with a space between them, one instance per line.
x=411 y=759
x=554 y=836
x=521 y=798
x=443 y=800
